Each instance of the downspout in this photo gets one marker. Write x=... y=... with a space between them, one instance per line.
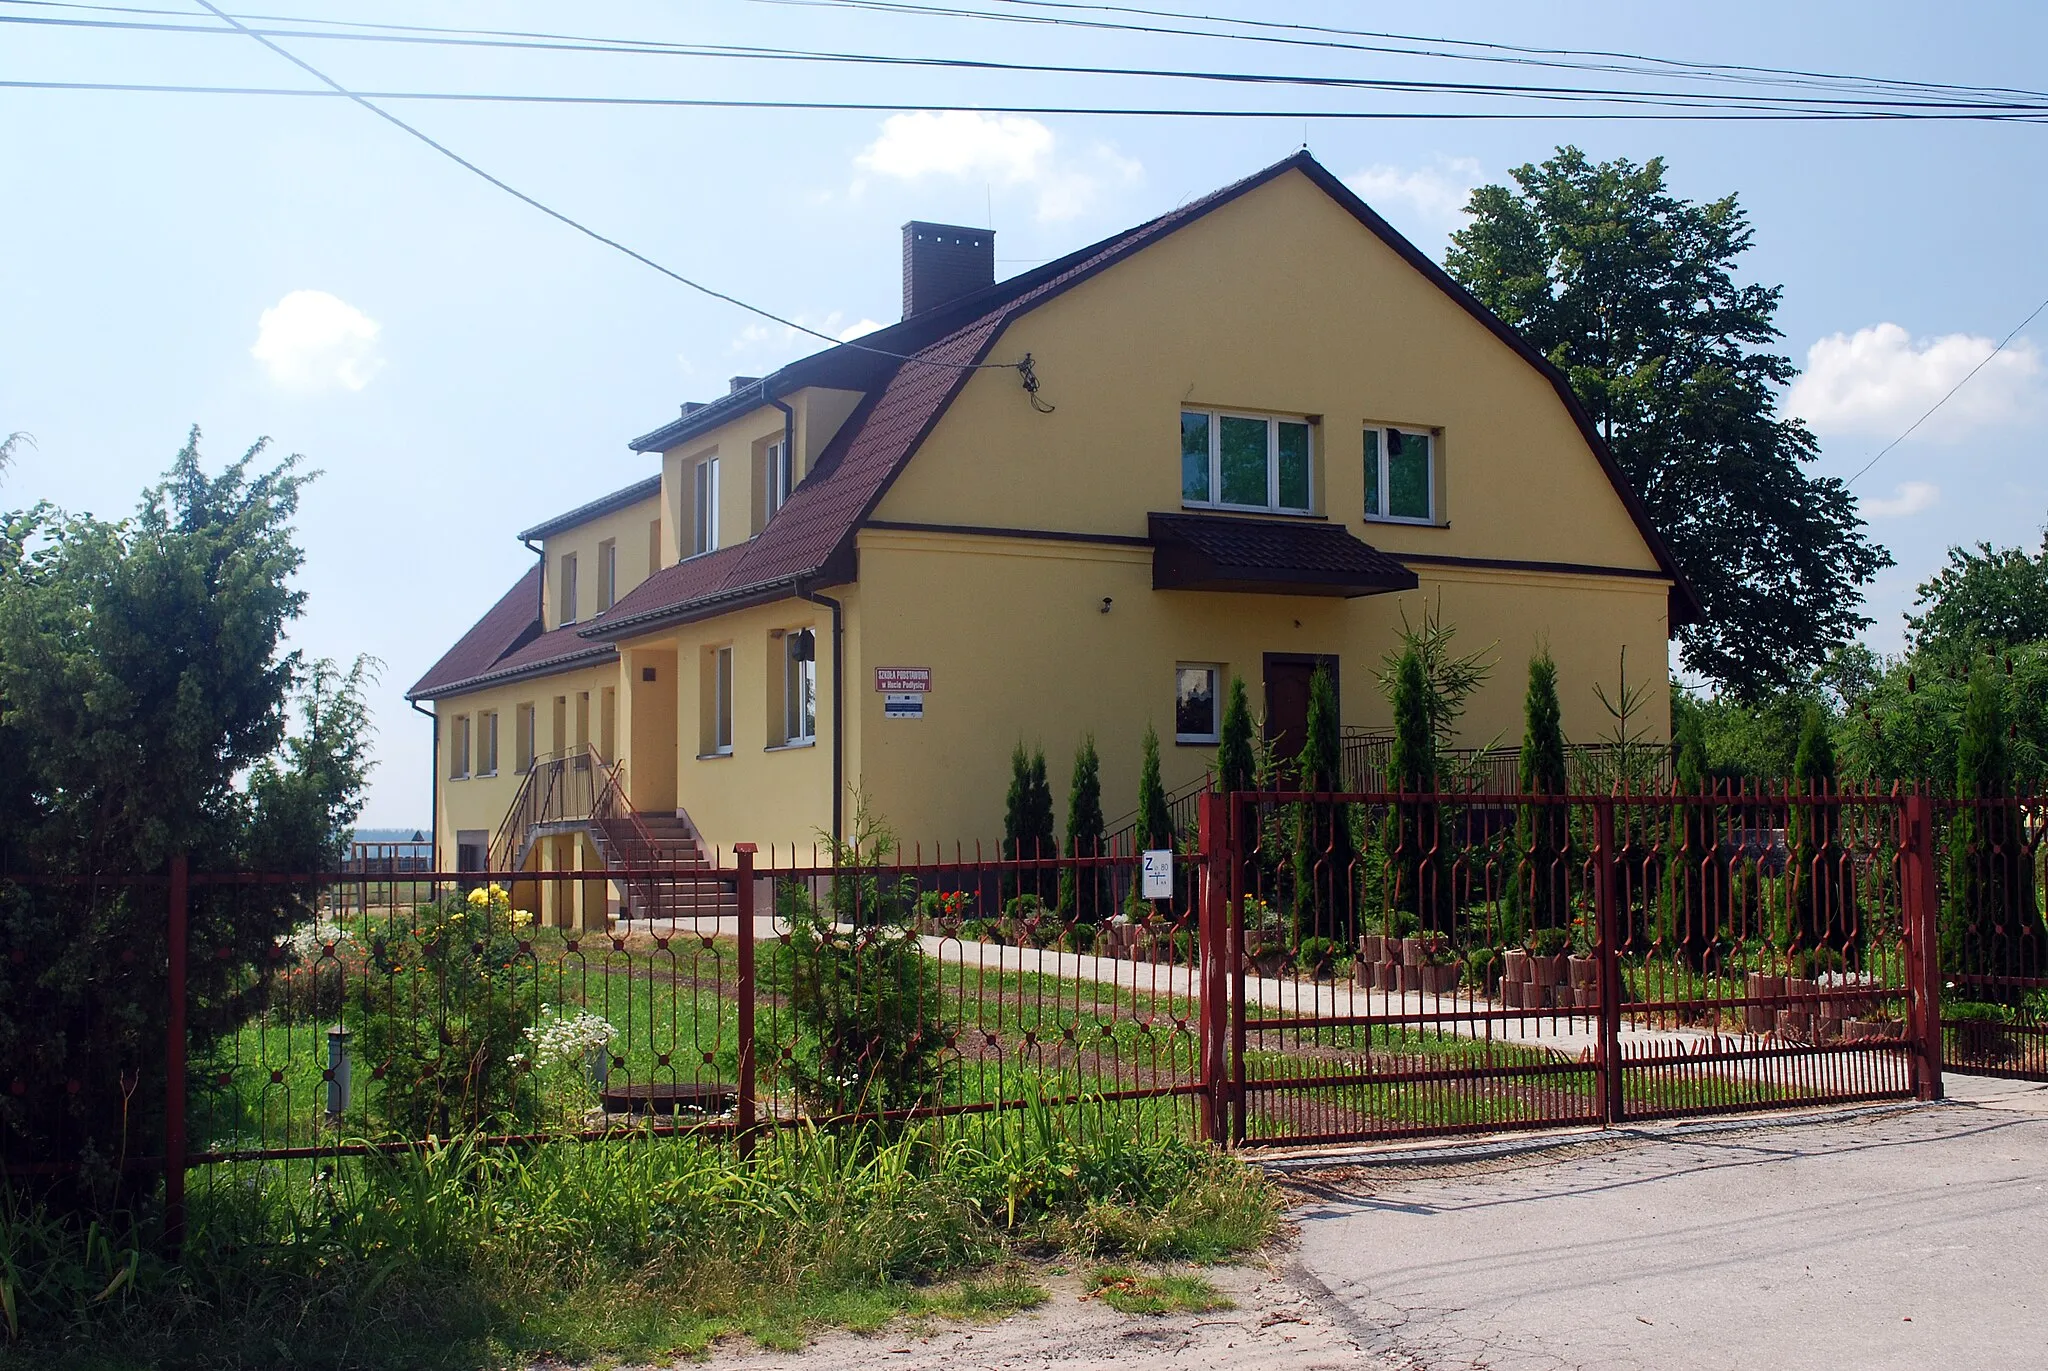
x=788 y=428
x=838 y=711
x=540 y=591
x=434 y=774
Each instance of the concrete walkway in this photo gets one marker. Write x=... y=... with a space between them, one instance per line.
x=1898 y=1239
x=1571 y=1036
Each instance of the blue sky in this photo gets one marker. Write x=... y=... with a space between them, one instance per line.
x=459 y=367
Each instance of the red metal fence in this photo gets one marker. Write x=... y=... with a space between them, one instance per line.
x=1320 y=968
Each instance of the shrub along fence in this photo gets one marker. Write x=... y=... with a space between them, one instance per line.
x=1316 y=967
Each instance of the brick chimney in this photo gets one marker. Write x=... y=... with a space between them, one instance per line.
x=943 y=262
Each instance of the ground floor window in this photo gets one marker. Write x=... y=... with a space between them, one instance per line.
x=718 y=682
x=800 y=686
x=487 y=743
x=1196 y=710
x=522 y=738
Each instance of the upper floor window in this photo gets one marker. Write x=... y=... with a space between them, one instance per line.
x=567 y=614
x=607 y=574
x=1244 y=461
x=1400 y=475
x=458 y=748
x=781 y=475
x=705 y=494
x=653 y=546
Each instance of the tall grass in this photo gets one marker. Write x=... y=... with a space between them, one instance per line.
x=458 y=1255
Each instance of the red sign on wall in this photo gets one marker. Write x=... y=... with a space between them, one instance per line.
x=898 y=680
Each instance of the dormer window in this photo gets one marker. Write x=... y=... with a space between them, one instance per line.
x=781 y=475
x=1245 y=461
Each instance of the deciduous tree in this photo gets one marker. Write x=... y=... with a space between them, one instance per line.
x=1630 y=290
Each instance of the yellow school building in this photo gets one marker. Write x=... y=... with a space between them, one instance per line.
x=1242 y=439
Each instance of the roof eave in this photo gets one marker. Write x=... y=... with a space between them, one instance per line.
x=590 y=656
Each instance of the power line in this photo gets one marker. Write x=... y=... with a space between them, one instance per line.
x=1946 y=398
x=558 y=215
x=1561 y=58
x=418 y=35
x=948 y=106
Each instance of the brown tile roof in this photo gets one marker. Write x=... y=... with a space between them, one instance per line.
x=1278 y=556
x=506 y=642
x=811 y=537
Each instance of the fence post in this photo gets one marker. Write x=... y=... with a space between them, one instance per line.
x=177 y=919
x=1241 y=819
x=1608 y=933
x=1922 y=912
x=743 y=853
x=1211 y=819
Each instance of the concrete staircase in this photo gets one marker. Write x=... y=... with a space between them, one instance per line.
x=674 y=879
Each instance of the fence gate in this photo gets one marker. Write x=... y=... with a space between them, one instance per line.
x=1994 y=948
x=1404 y=965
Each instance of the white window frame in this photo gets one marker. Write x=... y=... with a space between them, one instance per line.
x=799 y=691
x=721 y=701
x=781 y=475
x=704 y=495
x=487 y=742
x=458 y=748
x=566 y=611
x=1272 y=423
x=1378 y=481
x=607 y=574
x=1215 y=733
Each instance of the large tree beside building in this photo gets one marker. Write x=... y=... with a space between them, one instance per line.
x=1630 y=290
x=145 y=712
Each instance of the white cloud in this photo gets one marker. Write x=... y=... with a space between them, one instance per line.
x=310 y=340
x=1007 y=150
x=762 y=336
x=1907 y=499
x=1425 y=203
x=1877 y=380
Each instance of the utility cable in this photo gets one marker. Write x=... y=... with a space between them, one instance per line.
x=1726 y=116
x=1949 y=396
x=747 y=52
x=565 y=219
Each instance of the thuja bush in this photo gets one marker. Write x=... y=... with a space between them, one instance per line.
x=442 y=1024
x=863 y=995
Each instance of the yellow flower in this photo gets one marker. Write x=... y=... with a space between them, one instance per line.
x=521 y=918
x=478 y=899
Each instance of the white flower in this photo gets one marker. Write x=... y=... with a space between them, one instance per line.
x=569 y=1038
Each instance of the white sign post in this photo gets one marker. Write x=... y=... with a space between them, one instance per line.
x=1156 y=880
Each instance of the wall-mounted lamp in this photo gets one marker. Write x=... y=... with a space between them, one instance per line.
x=1105 y=604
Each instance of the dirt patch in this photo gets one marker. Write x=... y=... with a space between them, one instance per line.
x=1281 y=1321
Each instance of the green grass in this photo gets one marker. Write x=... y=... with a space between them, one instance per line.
x=1131 y=1292
x=632 y=1249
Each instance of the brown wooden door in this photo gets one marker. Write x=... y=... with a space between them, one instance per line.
x=1287 y=678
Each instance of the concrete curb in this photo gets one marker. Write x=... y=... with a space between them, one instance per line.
x=1527 y=1144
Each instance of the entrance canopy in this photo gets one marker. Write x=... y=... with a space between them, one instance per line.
x=1268 y=557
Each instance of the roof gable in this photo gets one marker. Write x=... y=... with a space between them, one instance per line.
x=811 y=538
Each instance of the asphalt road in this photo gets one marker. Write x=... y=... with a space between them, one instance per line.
x=1911 y=1239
